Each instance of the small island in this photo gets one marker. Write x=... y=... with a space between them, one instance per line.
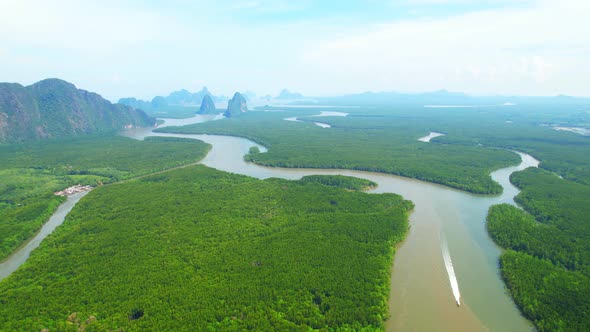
x=341 y=181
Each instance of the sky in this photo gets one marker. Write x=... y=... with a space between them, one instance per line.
x=146 y=48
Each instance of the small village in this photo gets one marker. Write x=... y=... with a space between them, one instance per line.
x=73 y=190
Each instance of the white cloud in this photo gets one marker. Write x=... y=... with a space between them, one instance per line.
x=269 y=6
x=451 y=2
x=535 y=50
x=125 y=49
x=77 y=25
x=128 y=51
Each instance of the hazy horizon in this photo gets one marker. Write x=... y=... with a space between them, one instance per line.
x=481 y=48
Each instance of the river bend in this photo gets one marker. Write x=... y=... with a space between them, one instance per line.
x=421 y=296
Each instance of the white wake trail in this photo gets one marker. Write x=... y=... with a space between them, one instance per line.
x=450 y=270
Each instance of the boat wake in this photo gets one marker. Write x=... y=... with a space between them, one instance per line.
x=450 y=270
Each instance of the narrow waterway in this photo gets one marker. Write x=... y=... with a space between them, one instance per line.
x=422 y=297
x=22 y=253
x=323 y=124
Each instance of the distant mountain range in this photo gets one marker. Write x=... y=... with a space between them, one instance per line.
x=186 y=98
x=177 y=98
x=441 y=97
x=55 y=108
x=286 y=94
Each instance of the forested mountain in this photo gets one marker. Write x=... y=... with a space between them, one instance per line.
x=55 y=108
x=286 y=94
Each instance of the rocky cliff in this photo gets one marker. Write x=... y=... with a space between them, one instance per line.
x=236 y=106
x=207 y=106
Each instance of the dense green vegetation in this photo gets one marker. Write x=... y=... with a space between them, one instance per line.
x=561 y=232
x=341 y=181
x=555 y=299
x=30 y=173
x=227 y=257
x=212 y=251
x=549 y=274
x=371 y=143
x=562 y=152
x=563 y=205
x=54 y=108
x=524 y=128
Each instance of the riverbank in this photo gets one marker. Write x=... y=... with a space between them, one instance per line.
x=73 y=190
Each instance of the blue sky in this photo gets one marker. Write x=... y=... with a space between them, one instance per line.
x=147 y=48
x=350 y=11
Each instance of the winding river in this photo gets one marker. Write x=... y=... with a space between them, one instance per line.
x=422 y=296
